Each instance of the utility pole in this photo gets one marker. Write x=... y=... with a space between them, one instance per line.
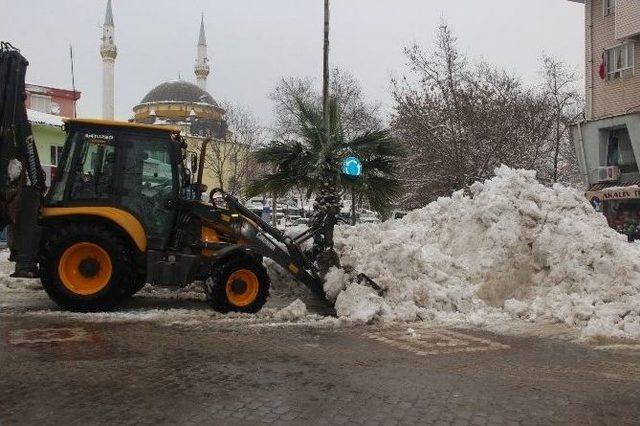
x=325 y=74
x=327 y=197
x=73 y=81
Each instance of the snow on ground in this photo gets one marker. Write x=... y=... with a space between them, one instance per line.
x=510 y=249
x=13 y=285
x=160 y=305
x=166 y=306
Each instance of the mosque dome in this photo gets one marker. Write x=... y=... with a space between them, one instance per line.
x=178 y=91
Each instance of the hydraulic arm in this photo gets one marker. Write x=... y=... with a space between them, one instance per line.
x=271 y=242
x=22 y=181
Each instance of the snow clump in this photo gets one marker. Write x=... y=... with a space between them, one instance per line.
x=359 y=303
x=295 y=311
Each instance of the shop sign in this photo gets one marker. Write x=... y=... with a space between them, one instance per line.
x=622 y=193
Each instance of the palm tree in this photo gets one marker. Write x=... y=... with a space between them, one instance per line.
x=313 y=158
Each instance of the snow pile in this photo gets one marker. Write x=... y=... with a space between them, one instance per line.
x=509 y=248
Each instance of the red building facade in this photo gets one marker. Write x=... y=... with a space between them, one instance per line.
x=51 y=100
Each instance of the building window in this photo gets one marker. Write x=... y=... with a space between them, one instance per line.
x=620 y=152
x=609 y=7
x=40 y=103
x=56 y=154
x=620 y=60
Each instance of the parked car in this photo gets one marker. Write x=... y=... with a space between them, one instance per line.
x=398 y=214
x=300 y=221
x=368 y=216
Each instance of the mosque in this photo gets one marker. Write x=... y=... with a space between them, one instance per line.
x=177 y=103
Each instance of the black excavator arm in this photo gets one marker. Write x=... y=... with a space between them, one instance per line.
x=22 y=182
x=285 y=250
x=270 y=242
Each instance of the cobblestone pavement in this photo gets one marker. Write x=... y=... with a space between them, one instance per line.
x=64 y=371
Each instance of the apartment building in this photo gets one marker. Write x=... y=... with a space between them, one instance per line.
x=46 y=106
x=607 y=142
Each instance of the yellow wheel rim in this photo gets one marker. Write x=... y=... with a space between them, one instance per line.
x=242 y=287
x=85 y=268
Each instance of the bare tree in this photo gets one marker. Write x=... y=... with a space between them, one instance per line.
x=284 y=97
x=357 y=114
x=231 y=161
x=566 y=106
x=460 y=121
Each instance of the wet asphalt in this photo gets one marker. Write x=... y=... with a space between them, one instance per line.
x=60 y=370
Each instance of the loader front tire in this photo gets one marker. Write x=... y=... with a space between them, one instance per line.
x=86 y=267
x=239 y=284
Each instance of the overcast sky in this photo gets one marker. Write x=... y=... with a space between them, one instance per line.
x=253 y=43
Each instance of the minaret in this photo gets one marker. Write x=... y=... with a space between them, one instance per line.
x=108 y=51
x=202 y=62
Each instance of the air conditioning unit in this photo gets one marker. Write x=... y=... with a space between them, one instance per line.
x=608 y=173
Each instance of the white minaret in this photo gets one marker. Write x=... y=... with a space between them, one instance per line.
x=202 y=62
x=108 y=51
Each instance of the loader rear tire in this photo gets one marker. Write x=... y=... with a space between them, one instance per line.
x=86 y=267
x=240 y=284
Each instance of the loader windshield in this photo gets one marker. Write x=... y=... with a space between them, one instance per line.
x=93 y=179
x=87 y=168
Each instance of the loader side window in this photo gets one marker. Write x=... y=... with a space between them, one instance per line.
x=149 y=184
x=60 y=184
x=93 y=177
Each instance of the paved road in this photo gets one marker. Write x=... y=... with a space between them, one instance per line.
x=59 y=370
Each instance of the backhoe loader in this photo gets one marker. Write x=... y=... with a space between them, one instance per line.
x=125 y=209
x=123 y=212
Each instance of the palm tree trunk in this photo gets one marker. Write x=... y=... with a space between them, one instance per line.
x=353 y=205
x=274 y=219
x=325 y=215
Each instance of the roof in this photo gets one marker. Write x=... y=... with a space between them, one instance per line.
x=178 y=91
x=37 y=117
x=52 y=91
x=112 y=123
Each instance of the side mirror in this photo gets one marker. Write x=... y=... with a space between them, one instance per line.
x=187 y=175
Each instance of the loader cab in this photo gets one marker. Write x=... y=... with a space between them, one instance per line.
x=125 y=166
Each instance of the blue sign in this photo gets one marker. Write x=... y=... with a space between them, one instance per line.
x=351 y=166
